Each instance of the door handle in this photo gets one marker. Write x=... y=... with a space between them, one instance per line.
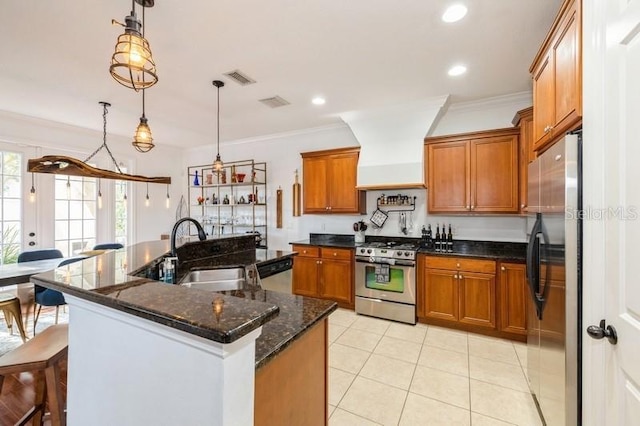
x=602 y=331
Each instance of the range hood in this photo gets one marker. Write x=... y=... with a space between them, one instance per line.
x=392 y=143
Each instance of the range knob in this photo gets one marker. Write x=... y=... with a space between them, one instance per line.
x=406 y=253
x=362 y=250
x=368 y=251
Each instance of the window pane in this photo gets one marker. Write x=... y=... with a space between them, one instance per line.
x=62 y=230
x=61 y=189
x=75 y=209
x=11 y=186
x=11 y=209
x=63 y=246
x=11 y=162
x=75 y=229
x=62 y=209
x=10 y=253
x=76 y=190
x=89 y=190
x=89 y=211
x=89 y=228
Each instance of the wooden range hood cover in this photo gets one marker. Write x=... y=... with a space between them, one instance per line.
x=61 y=165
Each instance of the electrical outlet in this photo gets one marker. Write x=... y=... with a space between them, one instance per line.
x=322 y=226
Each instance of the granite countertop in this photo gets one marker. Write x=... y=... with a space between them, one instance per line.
x=117 y=279
x=504 y=251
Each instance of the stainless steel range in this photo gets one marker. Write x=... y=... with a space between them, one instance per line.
x=386 y=281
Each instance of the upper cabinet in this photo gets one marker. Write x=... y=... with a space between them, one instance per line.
x=524 y=121
x=329 y=182
x=473 y=172
x=557 y=78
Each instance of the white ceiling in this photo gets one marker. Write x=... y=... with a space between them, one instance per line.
x=359 y=54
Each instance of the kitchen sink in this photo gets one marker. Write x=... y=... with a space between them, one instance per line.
x=223 y=279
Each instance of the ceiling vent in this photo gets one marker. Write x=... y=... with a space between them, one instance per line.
x=274 y=102
x=239 y=77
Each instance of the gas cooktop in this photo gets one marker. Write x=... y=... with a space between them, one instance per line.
x=387 y=250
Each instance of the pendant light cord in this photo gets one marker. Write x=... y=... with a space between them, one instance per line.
x=218 y=120
x=104 y=138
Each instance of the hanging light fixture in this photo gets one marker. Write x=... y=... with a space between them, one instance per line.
x=63 y=165
x=168 y=202
x=32 y=191
x=146 y=200
x=68 y=187
x=99 y=195
x=142 y=139
x=217 y=164
x=132 y=63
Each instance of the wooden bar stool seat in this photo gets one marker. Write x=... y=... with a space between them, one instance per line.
x=10 y=305
x=42 y=355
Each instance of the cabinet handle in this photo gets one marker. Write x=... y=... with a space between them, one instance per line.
x=502 y=268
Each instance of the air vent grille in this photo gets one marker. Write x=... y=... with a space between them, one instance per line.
x=239 y=77
x=274 y=102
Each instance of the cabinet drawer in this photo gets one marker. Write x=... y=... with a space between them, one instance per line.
x=336 y=253
x=307 y=251
x=462 y=264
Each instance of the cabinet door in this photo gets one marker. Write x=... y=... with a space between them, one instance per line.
x=543 y=101
x=568 y=77
x=336 y=281
x=440 y=295
x=494 y=174
x=477 y=299
x=448 y=177
x=513 y=298
x=314 y=179
x=341 y=184
x=305 y=276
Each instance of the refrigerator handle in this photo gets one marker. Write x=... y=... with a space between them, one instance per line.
x=533 y=263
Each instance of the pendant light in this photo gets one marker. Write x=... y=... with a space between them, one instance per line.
x=99 y=194
x=146 y=199
x=132 y=63
x=32 y=191
x=142 y=139
x=217 y=164
x=168 y=202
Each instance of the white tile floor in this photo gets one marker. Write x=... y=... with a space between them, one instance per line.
x=382 y=372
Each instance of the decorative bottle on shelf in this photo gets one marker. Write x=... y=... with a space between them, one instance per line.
x=437 y=237
x=226 y=199
x=196 y=181
x=234 y=176
x=449 y=240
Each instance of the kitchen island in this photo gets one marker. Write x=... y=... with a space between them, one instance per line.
x=142 y=351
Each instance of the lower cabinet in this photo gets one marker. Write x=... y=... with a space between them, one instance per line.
x=324 y=272
x=513 y=298
x=469 y=294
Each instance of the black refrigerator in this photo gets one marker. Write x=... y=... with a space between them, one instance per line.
x=554 y=231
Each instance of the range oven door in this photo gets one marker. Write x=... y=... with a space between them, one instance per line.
x=399 y=285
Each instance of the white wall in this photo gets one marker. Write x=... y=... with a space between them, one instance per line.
x=282 y=155
x=39 y=137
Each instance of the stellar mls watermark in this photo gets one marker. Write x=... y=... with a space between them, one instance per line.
x=603 y=213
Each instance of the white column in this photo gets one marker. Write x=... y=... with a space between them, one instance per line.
x=125 y=370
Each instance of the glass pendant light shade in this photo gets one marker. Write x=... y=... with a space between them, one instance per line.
x=217 y=165
x=142 y=138
x=132 y=63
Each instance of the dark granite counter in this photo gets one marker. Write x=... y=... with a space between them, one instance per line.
x=504 y=251
x=123 y=280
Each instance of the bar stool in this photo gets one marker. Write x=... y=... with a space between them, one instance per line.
x=42 y=355
x=10 y=305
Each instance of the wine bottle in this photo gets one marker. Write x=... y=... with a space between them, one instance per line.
x=429 y=237
x=450 y=240
x=438 y=237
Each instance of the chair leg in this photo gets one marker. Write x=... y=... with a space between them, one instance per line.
x=54 y=395
x=57 y=311
x=35 y=317
x=41 y=392
x=16 y=312
x=8 y=320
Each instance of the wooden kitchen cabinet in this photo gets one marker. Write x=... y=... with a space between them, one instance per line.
x=324 y=272
x=523 y=120
x=458 y=290
x=329 y=182
x=513 y=298
x=474 y=172
x=557 y=78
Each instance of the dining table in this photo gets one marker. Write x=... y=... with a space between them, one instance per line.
x=18 y=273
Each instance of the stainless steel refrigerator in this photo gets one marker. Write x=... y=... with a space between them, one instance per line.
x=553 y=275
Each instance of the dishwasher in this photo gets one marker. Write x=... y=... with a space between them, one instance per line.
x=276 y=275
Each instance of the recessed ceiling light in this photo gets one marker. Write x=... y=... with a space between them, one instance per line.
x=457 y=70
x=454 y=13
x=318 y=100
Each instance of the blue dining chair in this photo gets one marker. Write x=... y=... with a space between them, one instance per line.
x=108 y=246
x=42 y=295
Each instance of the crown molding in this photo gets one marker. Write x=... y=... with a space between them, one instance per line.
x=495 y=101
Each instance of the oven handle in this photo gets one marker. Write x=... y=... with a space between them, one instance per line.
x=395 y=262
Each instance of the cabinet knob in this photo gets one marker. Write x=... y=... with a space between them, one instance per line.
x=460 y=276
x=502 y=268
x=522 y=206
x=455 y=277
x=472 y=207
x=304 y=252
x=335 y=254
x=457 y=265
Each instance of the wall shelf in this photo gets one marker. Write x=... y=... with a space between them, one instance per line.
x=234 y=217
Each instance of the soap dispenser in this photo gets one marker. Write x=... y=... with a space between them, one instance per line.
x=169 y=270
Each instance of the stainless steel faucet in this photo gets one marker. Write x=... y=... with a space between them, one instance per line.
x=201 y=234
